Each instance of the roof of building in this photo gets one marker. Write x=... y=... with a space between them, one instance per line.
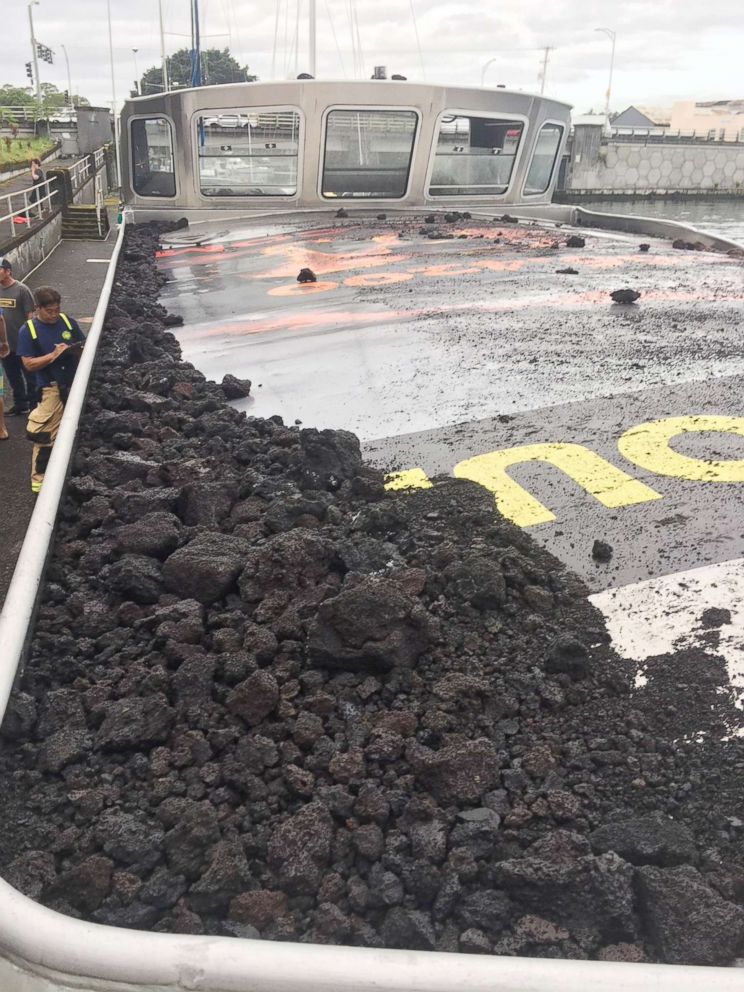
x=632 y=117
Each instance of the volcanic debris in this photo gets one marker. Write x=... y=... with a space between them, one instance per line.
x=265 y=698
x=625 y=296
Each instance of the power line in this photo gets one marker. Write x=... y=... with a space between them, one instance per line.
x=418 y=40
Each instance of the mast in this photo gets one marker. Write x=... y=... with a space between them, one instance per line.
x=195 y=45
x=313 y=37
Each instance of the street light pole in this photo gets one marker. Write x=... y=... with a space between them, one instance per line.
x=69 y=77
x=34 y=3
x=485 y=66
x=612 y=35
x=117 y=143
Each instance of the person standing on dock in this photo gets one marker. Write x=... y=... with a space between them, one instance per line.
x=49 y=346
x=17 y=305
x=3 y=352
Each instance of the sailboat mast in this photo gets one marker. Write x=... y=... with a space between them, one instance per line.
x=312 y=34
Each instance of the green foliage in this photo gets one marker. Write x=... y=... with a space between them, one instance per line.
x=21 y=150
x=15 y=96
x=218 y=66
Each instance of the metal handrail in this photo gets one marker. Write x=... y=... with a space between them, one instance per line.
x=26 y=203
x=99 y=157
x=80 y=173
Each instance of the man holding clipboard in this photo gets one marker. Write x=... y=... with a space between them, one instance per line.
x=49 y=346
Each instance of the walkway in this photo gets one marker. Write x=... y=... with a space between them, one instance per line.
x=77 y=269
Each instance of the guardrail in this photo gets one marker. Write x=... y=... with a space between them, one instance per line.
x=678 y=138
x=99 y=157
x=26 y=203
x=80 y=173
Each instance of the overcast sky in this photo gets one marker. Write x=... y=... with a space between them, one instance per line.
x=666 y=49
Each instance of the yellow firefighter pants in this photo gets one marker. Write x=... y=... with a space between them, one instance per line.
x=42 y=428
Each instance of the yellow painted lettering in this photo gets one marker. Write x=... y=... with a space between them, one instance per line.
x=648 y=446
x=412 y=478
x=612 y=487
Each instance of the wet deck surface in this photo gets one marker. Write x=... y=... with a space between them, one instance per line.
x=438 y=350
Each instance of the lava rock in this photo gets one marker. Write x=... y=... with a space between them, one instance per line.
x=646 y=840
x=644 y=247
x=625 y=296
x=300 y=849
x=567 y=654
x=575 y=241
x=206 y=568
x=135 y=722
x=307 y=275
x=460 y=772
x=238 y=389
x=601 y=551
x=567 y=271
x=687 y=920
x=372 y=626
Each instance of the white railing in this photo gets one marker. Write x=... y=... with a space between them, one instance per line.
x=99 y=156
x=27 y=204
x=80 y=173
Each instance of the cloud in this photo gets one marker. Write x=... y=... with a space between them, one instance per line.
x=669 y=49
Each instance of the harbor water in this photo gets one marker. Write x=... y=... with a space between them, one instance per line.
x=716 y=216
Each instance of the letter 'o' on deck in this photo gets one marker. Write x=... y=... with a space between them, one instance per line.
x=612 y=487
x=648 y=446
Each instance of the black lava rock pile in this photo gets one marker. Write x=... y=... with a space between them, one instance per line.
x=266 y=698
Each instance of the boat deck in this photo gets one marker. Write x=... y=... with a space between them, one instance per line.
x=438 y=349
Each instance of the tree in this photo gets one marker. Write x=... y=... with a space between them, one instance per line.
x=15 y=96
x=218 y=66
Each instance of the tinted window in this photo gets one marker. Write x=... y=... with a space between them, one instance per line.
x=543 y=159
x=248 y=153
x=153 y=173
x=474 y=156
x=368 y=153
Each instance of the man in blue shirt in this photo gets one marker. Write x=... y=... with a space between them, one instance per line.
x=49 y=346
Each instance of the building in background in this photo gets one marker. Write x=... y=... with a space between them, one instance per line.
x=718 y=120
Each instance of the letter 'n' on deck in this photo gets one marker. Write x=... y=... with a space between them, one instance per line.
x=612 y=487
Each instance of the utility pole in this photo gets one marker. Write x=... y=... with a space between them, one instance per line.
x=612 y=35
x=543 y=74
x=34 y=3
x=117 y=123
x=163 y=59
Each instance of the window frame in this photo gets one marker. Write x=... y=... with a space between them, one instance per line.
x=556 y=160
x=369 y=108
x=233 y=110
x=174 y=151
x=522 y=119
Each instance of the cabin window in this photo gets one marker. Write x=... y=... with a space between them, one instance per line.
x=153 y=173
x=474 y=156
x=368 y=153
x=248 y=152
x=543 y=159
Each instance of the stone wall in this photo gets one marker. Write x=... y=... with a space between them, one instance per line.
x=599 y=164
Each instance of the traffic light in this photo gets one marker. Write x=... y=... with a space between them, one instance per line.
x=29 y=71
x=44 y=53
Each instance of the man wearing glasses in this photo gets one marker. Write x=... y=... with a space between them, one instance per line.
x=49 y=346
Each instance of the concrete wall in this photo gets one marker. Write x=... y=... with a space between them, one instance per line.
x=93 y=128
x=635 y=166
x=31 y=252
